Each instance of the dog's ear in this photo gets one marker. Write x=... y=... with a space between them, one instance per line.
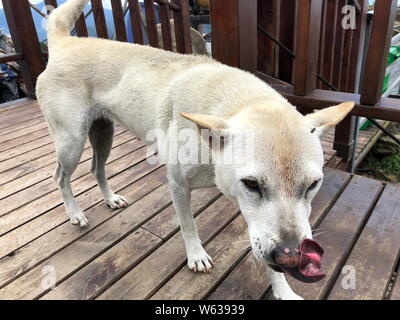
x=206 y=122
x=211 y=128
x=326 y=119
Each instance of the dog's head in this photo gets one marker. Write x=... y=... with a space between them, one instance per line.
x=275 y=180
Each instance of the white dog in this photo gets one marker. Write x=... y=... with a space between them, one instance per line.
x=91 y=82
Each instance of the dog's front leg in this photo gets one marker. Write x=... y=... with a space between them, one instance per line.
x=280 y=287
x=198 y=259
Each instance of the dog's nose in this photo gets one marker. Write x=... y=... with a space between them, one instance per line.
x=285 y=257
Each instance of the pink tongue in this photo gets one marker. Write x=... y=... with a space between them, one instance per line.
x=309 y=266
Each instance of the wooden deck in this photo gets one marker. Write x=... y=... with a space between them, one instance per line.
x=138 y=253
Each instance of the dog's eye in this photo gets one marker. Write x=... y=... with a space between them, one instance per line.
x=312 y=186
x=251 y=184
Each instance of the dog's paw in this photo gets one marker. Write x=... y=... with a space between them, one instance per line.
x=79 y=218
x=200 y=261
x=116 y=202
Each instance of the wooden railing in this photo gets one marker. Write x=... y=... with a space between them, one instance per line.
x=28 y=50
x=304 y=53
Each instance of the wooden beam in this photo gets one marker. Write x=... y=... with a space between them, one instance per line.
x=308 y=26
x=11 y=57
x=234 y=34
x=385 y=108
x=24 y=36
x=378 y=50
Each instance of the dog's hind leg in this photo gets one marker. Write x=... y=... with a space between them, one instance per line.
x=101 y=137
x=69 y=146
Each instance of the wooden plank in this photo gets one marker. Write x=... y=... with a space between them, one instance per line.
x=339 y=43
x=88 y=281
x=183 y=36
x=15 y=104
x=23 y=148
x=151 y=24
x=339 y=229
x=24 y=130
x=119 y=21
x=166 y=27
x=80 y=285
x=22 y=110
x=268 y=17
x=99 y=19
x=40 y=157
x=286 y=36
x=329 y=40
x=226 y=248
x=248 y=281
x=146 y=278
x=31 y=175
x=29 y=125
x=136 y=21
x=31 y=244
x=321 y=42
x=24 y=36
x=7 y=118
x=22 y=117
x=234 y=34
x=44 y=196
x=4 y=146
x=346 y=53
x=78 y=253
x=378 y=50
x=357 y=51
x=308 y=24
x=374 y=256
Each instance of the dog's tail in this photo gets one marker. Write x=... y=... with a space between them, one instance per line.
x=62 y=19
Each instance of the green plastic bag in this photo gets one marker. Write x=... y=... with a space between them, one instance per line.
x=394 y=54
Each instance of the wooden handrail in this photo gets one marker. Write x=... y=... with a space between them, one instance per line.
x=384 y=109
x=11 y=57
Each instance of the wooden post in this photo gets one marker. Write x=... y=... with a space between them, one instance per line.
x=23 y=33
x=99 y=19
x=344 y=134
x=234 y=32
x=119 y=21
x=183 y=34
x=268 y=51
x=286 y=33
x=308 y=27
x=378 y=49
